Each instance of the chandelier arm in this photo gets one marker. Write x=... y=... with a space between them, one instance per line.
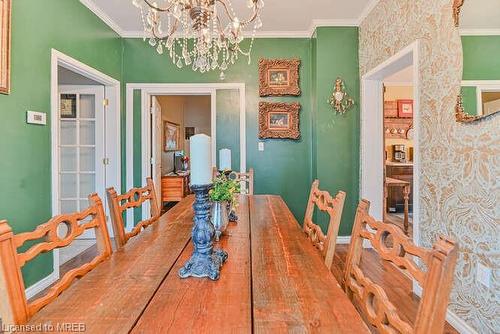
x=166 y=9
x=231 y=17
x=172 y=31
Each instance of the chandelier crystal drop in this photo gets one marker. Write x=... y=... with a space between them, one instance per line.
x=203 y=34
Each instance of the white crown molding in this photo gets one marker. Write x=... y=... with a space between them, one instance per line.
x=315 y=24
x=103 y=16
x=480 y=32
x=368 y=9
x=260 y=34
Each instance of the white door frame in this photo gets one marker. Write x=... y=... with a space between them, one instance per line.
x=113 y=152
x=372 y=132
x=148 y=90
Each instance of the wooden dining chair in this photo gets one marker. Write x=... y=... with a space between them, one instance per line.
x=134 y=198
x=14 y=307
x=248 y=179
x=391 y=244
x=333 y=206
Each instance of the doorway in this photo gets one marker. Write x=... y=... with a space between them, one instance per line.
x=85 y=136
x=373 y=146
x=176 y=118
x=225 y=99
x=399 y=149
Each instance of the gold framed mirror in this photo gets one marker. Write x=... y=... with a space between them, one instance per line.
x=480 y=34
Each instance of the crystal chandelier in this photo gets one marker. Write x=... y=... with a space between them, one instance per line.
x=203 y=34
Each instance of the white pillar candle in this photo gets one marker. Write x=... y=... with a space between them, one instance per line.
x=201 y=159
x=225 y=159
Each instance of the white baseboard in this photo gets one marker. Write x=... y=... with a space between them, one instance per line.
x=343 y=240
x=41 y=285
x=458 y=323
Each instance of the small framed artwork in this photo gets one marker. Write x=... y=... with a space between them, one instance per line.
x=405 y=108
x=278 y=77
x=171 y=136
x=189 y=131
x=68 y=105
x=5 y=43
x=279 y=120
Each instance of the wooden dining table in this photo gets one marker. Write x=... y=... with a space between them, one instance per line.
x=274 y=281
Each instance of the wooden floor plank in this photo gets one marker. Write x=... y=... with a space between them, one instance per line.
x=195 y=305
x=110 y=298
x=293 y=291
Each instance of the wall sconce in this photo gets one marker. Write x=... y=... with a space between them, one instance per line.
x=340 y=100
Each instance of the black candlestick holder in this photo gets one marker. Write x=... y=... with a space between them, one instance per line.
x=205 y=261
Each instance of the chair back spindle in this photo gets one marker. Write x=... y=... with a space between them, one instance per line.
x=16 y=309
x=333 y=206
x=118 y=204
x=394 y=246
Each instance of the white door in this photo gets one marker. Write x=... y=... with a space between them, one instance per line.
x=157 y=144
x=82 y=167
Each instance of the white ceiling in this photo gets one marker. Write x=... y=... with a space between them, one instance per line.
x=480 y=14
x=279 y=17
x=298 y=18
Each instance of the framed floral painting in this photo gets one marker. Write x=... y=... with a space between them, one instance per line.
x=5 y=35
x=278 y=77
x=279 y=120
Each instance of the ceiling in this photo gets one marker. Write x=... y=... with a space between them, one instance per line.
x=480 y=14
x=298 y=18
x=280 y=17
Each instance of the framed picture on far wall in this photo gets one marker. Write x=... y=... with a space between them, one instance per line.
x=189 y=131
x=405 y=108
x=171 y=136
x=5 y=36
x=279 y=120
x=278 y=77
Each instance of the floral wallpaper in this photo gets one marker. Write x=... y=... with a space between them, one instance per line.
x=460 y=163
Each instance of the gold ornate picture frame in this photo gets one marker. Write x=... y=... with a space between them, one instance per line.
x=278 y=77
x=171 y=136
x=279 y=120
x=5 y=37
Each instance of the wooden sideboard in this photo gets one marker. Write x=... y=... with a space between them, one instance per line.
x=400 y=171
x=174 y=187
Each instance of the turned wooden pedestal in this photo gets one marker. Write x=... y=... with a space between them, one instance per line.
x=390 y=182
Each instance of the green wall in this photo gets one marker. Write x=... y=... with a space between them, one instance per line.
x=481 y=62
x=336 y=137
x=228 y=125
x=284 y=167
x=25 y=178
x=327 y=149
x=481 y=57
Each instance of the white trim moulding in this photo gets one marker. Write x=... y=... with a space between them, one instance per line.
x=479 y=32
x=368 y=9
x=454 y=320
x=90 y=4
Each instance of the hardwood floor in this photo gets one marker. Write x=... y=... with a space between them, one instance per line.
x=395 y=283
x=391 y=218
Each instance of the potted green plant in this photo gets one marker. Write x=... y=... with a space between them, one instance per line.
x=223 y=197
